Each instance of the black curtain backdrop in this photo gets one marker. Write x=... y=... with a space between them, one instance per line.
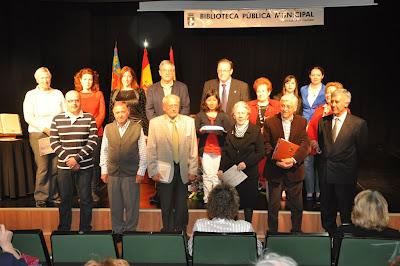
x=357 y=46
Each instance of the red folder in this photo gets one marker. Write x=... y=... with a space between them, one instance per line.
x=284 y=149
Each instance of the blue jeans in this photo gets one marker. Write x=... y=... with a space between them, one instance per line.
x=310 y=175
x=66 y=181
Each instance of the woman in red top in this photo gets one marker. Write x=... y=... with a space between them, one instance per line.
x=92 y=101
x=260 y=109
x=211 y=141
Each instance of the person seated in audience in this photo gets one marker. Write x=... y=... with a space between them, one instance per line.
x=370 y=218
x=108 y=262
x=274 y=259
x=222 y=211
x=8 y=254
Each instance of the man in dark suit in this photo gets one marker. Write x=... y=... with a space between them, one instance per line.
x=288 y=172
x=342 y=138
x=230 y=90
x=166 y=86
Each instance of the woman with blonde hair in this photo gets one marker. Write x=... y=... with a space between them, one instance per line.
x=370 y=217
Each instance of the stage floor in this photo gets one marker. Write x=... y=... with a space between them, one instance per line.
x=379 y=172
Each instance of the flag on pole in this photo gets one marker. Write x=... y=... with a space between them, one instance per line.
x=171 y=58
x=146 y=79
x=116 y=70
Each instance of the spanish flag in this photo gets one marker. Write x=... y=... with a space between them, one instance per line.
x=146 y=79
x=116 y=70
x=171 y=58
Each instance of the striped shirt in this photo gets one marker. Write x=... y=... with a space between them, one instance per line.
x=74 y=136
x=219 y=225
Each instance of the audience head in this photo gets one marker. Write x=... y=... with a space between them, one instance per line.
x=211 y=102
x=330 y=87
x=171 y=105
x=224 y=69
x=288 y=105
x=316 y=75
x=43 y=78
x=73 y=100
x=263 y=88
x=86 y=79
x=121 y=112
x=340 y=101
x=167 y=71
x=223 y=202
x=128 y=78
x=290 y=85
x=273 y=259
x=107 y=262
x=370 y=210
x=241 y=113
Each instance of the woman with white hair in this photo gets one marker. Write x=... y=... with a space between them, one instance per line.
x=40 y=106
x=244 y=147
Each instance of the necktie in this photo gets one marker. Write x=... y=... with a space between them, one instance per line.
x=335 y=129
x=175 y=142
x=224 y=99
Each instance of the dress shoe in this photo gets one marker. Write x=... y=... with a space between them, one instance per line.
x=95 y=198
x=41 y=204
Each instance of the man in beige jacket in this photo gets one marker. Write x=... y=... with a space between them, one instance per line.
x=172 y=161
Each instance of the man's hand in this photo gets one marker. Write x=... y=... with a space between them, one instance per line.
x=285 y=163
x=71 y=162
x=104 y=178
x=139 y=179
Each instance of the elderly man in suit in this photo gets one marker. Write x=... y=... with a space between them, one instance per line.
x=230 y=90
x=287 y=172
x=166 y=86
x=155 y=94
x=343 y=139
x=172 y=143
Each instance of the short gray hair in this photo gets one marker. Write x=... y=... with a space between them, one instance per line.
x=166 y=62
x=172 y=97
x=41 y=70
x=342 y=91
x=240 y=104
x=290 y=98
x=274 y=259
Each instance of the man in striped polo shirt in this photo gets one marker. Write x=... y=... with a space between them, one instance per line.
x=73 y=137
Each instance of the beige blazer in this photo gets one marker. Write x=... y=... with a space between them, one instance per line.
x=159 y=145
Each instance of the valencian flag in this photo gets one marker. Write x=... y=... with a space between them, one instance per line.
x=116 y=70
x=146 y=79
x=171 y=58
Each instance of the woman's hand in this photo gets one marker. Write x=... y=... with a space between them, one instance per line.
x=241 y=166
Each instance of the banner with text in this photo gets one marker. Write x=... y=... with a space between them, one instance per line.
x=246 y=18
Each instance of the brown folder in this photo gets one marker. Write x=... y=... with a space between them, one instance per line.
x=284 y=149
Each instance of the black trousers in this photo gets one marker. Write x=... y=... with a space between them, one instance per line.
x=334 y=198
x=174 y=210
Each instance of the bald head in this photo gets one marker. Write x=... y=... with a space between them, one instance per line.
x=73 y=100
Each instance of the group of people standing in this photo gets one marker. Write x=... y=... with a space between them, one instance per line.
x=153 y=130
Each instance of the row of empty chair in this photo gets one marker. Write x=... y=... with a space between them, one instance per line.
x=157 y=248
